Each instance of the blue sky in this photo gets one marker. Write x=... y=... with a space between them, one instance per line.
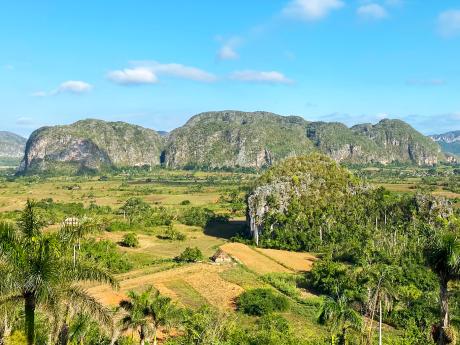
x=156 y=63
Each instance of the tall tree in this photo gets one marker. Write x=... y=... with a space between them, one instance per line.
x=340 y=316
x=443 y=256
x=162 y=312
x=37 y=268
x=136 y=317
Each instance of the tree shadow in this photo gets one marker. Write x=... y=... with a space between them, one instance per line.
x=226 y=229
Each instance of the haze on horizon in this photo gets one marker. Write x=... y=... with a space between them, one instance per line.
x=158 y=63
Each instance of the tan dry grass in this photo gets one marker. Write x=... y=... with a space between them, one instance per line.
x=204 y=278
x=300 y=262
x=252 y=259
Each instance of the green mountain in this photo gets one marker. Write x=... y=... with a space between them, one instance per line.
x=399 y=142
x=90 y=145
x=11 y=148
x=449 y=142
x=236 y=139
x=224 y=139
x=243 y=139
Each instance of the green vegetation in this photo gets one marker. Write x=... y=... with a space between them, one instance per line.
x=379 y=237
x=130 y=240
x=190 y=255
x=37 y=270
x=261 y=302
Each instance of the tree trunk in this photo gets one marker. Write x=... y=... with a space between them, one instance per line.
x=142 y=336
x=444 y=303
x=64 y=334
x=6 y=328
x=155 y=342
x=29 y=310
x=380 y=322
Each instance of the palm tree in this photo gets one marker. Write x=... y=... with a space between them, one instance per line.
x=443 y=257
x=162 y=312
x=136 y=315
x=36 y=268
x=340 y=316
x=147 y=312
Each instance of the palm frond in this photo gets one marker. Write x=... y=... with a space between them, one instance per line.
x=82 y=271
x=79 y=299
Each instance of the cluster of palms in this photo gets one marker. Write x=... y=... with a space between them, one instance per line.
x=442 y=254
x=40 y=270
x=146 y=312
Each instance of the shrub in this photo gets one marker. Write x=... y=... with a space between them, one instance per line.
x=196 y=216
x=130 y=240
x=106 y=254
x=172 y=234
x=261 y=302
x=185 y=202
x=190 y=255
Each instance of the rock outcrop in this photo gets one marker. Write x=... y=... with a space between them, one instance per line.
x=91 y=145
x=399 y=142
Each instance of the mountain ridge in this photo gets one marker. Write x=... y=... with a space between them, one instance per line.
x=449 y=141
x=223 y=139
x=11 y=145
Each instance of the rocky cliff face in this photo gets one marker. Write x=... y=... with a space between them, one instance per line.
x=91 y=144
x=11 y=145
x=399 y=142
x=236 y=139
x=240 y=139
x=449 y=142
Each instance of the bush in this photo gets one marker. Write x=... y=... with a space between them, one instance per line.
x=190 y=255
x=106 y=254
x=172 y=234
x=197 y=216
x=261 y=302
x=185 y=202
x=130 y=240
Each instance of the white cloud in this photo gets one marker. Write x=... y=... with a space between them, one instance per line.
x=271 y=77
x=311 y=10
x=228 y=49
x=74 y=86
x=449 y=23
x=70 y=86
x=372 y=11
x=148 y=72
x=133 y=76
x=227 y=52
x=180 y=71
x=25 y=121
